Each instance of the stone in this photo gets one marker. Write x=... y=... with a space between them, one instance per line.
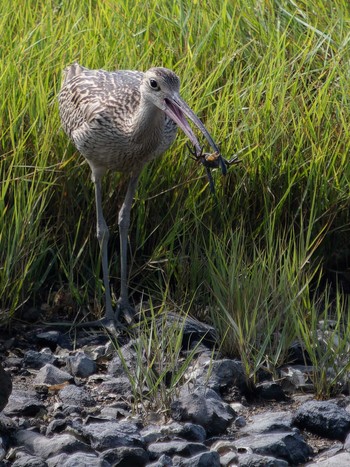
x=23 y=459
x=188 y=431
x=203 y=407
x=230 y=458
x=226 y=450
x=218 y=374
x=5 y=388
x=268 y=422
x=297 y=377
x=52 y=339
x=193 y=331
x=203 y=459
x=254 y=460
x=78 y=459
x=74 y=395
x=339 y=460
x=24 y=403
x=347 y=442
x=126 y=456
x=36 y=360
x=270 y=390
x=50 y=375
x=120 y=386
x=56 y=426
x=81 y=365
x=43 y=447
x=163 y=461
x=112 y=434
x=288 y=446
x=323 y=418
x=128 y=357
x=181 y=448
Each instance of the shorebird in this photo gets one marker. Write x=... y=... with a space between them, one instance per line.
x=119 y=121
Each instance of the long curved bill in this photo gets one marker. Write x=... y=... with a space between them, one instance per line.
x=176 y=109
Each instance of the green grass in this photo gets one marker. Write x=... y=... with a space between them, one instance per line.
x=268 y=76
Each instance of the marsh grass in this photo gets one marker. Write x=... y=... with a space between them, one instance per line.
x=271 y=77
x=161 y=362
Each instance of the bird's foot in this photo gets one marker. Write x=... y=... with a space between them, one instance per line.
x=113 y=326
x=125 y=309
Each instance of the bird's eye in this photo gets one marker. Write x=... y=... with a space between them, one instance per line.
x=153 y=83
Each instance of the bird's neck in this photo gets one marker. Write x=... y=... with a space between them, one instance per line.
x=148 y=120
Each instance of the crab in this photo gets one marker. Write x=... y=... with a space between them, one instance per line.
x=210 y=161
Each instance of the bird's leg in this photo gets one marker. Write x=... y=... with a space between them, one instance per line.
x=124 y=223
x=102 y=233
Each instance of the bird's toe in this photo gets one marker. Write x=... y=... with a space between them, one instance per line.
x=126 y=310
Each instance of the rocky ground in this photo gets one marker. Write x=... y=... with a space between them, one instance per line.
x=71 y=404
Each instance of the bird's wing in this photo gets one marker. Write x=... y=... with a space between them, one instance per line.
x=92 y=94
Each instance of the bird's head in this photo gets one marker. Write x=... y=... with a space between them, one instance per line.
x=162 y=87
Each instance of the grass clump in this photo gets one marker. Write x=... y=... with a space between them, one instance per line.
x=159 y=361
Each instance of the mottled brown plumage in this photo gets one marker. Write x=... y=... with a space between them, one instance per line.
x=119 y=121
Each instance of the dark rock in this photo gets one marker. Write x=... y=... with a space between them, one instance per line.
x=14 y=362
x=72 y=410
x=188 y=431
x=52 y=339
x=81 y=365
x=23 y=459
x=193 y=331
x=24 y=403
x=339 y=460
x=36 y=360
x=227 y=452
x=5 y=387
x=119 y=410
x=126 y=456
x=74 y=395
x=56 y=426
x=297 y=377
x=218 y=374
x=347 y=442
x=288 y=446
x=240 y=422
x=181 y=448
x=254 y=460
x=31 y=314
x=269 y=422
x=120 y=385
x=163 y=461
x=113 y=434
x=204 y=459
x=323 y=418
x=271 y=391
x=298 y=355
x=7 y=425
x=43 y=447
x=203 y=407
x=92 y=339
x=329 y=453
x=78 y=459
x=128 y=357
x=49 y=375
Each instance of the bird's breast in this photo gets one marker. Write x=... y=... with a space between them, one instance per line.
x=105 y=144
